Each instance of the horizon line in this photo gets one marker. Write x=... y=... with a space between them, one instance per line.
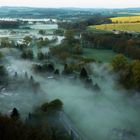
x=74 y=7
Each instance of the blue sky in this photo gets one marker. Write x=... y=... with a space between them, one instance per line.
x=73 y=3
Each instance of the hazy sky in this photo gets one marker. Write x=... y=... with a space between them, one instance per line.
x=72 y=3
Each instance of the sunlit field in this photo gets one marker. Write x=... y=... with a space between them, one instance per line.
x=132 y=27
x=126 y=23
x=127 y=19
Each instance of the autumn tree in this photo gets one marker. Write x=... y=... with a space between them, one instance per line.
x=52 y=106
x=27 y=39
x=136 y=73
x=119 y=62
x=5 y=42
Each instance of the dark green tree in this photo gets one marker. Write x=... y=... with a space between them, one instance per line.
x=40 y=56
x=50 y=68
x=15 y=114
x=57 y=72
x=84 y=74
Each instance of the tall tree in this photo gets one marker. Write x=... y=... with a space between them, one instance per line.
x=83 y=74
x=15 y=114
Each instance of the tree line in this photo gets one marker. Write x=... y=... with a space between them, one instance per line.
x=81 y=24
x=124 y=43
x=129 y=72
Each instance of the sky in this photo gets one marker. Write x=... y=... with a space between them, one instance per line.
x=73 y=3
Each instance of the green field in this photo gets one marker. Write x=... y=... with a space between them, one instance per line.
x=132 y=27
x=100 y=55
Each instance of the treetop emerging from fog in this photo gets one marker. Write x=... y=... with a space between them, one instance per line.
x=73 y=3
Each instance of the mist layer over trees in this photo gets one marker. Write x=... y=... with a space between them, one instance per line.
x=51 y=90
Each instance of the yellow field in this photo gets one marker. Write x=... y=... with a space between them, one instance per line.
x=127 y=19
x=133 y=27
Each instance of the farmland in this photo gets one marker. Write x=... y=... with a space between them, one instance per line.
x=126 y=23
x=126 y=19
x=132 y=27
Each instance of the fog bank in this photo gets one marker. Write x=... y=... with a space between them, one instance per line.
x=111 y=114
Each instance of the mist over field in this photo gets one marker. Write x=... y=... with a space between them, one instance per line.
x=99 y=115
